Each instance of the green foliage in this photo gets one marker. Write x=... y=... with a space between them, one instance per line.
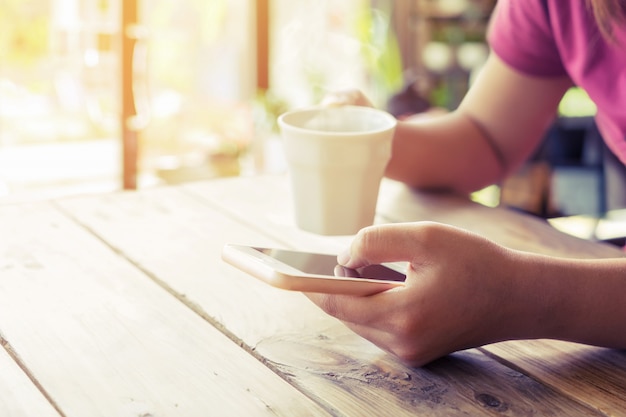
x=267 y=107
x=381 y=52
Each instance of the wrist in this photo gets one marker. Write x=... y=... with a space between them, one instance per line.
x=534 y=296
x=568 y=299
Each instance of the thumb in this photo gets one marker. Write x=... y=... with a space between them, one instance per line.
x=386 y=243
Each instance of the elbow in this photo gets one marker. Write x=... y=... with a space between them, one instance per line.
x=431 y=182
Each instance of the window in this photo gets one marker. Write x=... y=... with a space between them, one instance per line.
x=194 y=113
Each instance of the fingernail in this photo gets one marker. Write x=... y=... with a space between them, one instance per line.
x=344 y=257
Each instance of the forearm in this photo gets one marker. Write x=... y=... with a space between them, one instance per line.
x=576 y=300
x=448 y=151
x=497 y=126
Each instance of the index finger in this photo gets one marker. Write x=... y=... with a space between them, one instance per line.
x=387 y=243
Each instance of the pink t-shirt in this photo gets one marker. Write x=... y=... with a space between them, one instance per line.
x=549 y=38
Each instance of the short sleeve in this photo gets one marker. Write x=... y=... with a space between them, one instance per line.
x=521 y=35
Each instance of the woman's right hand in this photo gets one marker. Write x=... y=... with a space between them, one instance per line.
x=462 y=290
x=350 y=97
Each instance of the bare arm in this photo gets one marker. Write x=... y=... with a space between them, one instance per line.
x=481 y=294
x=497 y=126
x=582 y=300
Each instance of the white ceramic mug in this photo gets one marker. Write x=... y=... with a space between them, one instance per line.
x=336 y=158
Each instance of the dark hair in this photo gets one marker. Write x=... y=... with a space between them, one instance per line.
x=607 y=14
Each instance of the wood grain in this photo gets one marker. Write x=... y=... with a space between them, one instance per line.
x=175 y=235
x=399 y=203
x=105 y=340
x=19 y=397
x=595 y=376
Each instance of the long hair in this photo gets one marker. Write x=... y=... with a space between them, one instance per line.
x=608 y=13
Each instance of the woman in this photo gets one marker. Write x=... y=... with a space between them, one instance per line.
x=485 y=293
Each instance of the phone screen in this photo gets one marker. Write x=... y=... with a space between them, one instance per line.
x=320 y=264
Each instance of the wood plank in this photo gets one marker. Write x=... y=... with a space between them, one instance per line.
x=105 y=340
x=399 y=203
x=263 y=203
x=464 y=383
x=558 y=364
x=177 y=238
x=396 y=203
x=19 y=397
x=593 y=375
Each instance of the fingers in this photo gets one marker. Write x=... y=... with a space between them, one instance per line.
x=419 y=243
x=346 y=97
x=372 y=318
x=350 y=309
x=380 y=337
x=429 y=316
x=387 y=243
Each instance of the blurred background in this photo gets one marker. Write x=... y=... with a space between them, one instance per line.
x=103 y=95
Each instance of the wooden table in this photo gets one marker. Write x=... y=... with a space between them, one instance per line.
x=119 y=305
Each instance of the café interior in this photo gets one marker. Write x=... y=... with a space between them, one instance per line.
x=98 y=96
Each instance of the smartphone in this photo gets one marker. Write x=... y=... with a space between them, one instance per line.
x=312 y=272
